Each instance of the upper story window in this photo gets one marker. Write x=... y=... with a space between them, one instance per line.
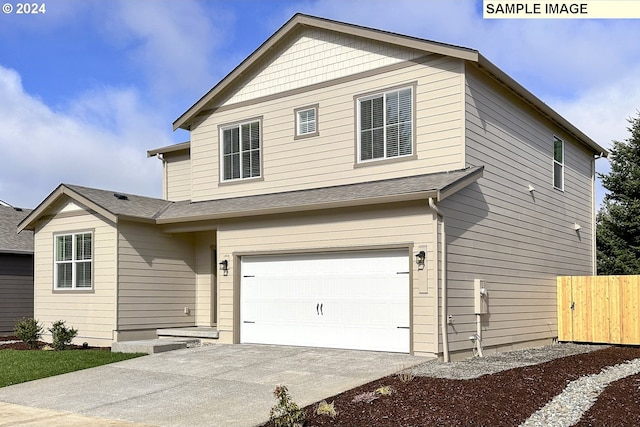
x=385 y=125
x=558 y=163
x=241 y=145
x=73 y=261
x=306 y=121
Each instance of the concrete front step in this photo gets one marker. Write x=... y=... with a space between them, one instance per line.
x=152 y=346
x=189 y=332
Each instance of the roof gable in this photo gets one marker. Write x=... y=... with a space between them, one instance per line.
x=312 y=55
x=109 y=204
x=310 y=24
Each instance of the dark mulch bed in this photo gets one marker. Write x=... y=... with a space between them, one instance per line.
x=504 y=399
x=618 y=405
x=41 y=344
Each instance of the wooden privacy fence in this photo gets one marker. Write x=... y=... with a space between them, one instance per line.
x=599 y=309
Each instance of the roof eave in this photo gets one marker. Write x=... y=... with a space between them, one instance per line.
x=533 y=100
x=302 y=207
x=169 y=149
x=458 y=185
x=16 y=251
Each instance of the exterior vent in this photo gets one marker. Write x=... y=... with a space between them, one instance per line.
x=120 y=196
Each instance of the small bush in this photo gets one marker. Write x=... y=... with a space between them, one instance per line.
x=285 y=413
x=406 y=376
x=386 y=390
x=29 y=330
x=325 y=408
x=62 y=336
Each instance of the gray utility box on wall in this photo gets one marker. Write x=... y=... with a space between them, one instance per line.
x=480 y=296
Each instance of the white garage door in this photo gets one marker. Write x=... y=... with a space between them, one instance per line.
x=354 y=300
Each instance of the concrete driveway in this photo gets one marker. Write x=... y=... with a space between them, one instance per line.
x=215 y=385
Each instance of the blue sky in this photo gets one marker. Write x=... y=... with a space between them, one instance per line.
x=89 y=86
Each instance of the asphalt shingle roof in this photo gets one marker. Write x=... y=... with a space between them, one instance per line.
x=131 y=205
x=134 y=207
x=318 y=196
x=10 y=240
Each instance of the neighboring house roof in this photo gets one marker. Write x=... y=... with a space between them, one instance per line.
x=209 y=101
x=114 y=206
x=10 y=240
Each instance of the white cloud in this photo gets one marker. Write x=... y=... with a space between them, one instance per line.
x=172 y=43
x=99 y=142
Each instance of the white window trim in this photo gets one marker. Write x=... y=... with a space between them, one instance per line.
x=221 y=130
x=561 y=188
x=74 y=262
x=377 y=94
x=297 y=112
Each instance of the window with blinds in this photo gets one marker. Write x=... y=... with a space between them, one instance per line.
x=385 y=125
x=241 y=151
x=306 y=121
x=73 y=261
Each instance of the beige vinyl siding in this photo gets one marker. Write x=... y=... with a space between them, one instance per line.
x=156 y=278
x=518 y=241
x=380 y=226
x=91 y=312
x=317 y=55
x=205 y=269
x=177 y=176
x=329 y=158
x=16 y=289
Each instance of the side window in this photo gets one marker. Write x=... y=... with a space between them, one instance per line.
x=558 y=163
x=73 y=261
x=241 y=151
x=385 y=125
x=306 y=121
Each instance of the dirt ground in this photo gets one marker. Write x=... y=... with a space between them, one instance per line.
x=506 y=398
x=14 y=343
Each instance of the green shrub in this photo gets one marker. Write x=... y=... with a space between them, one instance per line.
x=29 y=330
x=62 y=336
x=285 y=413
x=328 y=409
x=386 y=390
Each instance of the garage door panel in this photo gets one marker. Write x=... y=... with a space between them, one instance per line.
x=356 y=300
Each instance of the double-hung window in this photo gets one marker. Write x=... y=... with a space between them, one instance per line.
x=73 y=261
x=558 y=163
x=240 y=151
x=385 y=125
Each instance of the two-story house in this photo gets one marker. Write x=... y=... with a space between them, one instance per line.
x=342 y=187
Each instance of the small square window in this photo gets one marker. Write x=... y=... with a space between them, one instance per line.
x=306 y=121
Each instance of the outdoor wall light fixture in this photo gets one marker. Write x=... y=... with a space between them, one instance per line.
x=224 y=266
x=420 y=257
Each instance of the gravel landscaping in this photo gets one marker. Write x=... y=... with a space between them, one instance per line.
x=547 y=386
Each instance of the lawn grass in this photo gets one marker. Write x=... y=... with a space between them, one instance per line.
x=18 y=366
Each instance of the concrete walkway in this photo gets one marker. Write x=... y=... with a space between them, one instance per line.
x=215 y=385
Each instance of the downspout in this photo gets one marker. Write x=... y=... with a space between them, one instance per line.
x=443 y=275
